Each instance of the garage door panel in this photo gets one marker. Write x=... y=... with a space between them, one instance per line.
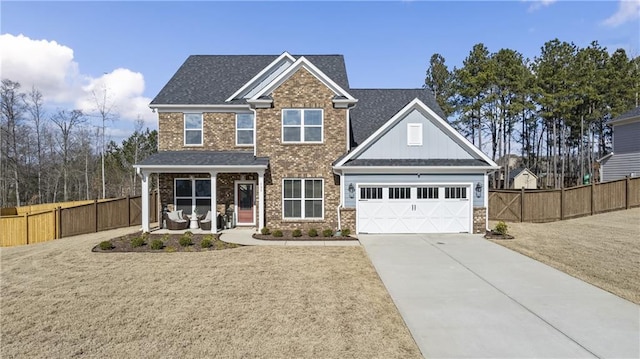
x=432 y=213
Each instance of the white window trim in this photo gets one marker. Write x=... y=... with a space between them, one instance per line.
x=193 y=192
x=302 y=199
x=416 y=130
x=253 y=131
x=302 y=125
x=185 y=129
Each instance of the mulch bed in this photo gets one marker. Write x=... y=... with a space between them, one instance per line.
x=287 y=236
x=171 y=244
x=495 y=235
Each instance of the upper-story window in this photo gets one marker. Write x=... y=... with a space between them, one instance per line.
x=244 y=129
x=302 y=125
x=193 y=129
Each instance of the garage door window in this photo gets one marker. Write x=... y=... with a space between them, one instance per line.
x=399 y=193
x=371 y=193
x=427 y=192
x=455 y=192
x=302 y=198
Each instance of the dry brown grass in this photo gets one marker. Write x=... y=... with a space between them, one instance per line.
x=603 y=250
x=61 y=300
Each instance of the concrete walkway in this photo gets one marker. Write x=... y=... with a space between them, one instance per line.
x=244 y=236
x=464 y=297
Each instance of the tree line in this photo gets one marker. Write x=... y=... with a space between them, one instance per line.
x=52 y=157
x=548 y=113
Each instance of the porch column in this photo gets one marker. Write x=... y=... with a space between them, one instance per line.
x=261 y=199
x=214 y=203
x=145 y=201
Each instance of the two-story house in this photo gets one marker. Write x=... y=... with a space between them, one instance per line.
x=624 y=161
x=284 y=142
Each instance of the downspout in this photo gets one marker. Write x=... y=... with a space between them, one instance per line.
x=255 y=131
x=341 y=201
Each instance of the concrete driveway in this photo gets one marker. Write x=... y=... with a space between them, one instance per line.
x=464 y=297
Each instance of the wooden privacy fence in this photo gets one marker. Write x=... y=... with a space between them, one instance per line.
x=85 y=218
x=558 y=204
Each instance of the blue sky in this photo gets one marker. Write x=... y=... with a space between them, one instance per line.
x=71 y=49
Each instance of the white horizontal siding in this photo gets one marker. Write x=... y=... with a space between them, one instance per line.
x=621 y=165
x=626 y=138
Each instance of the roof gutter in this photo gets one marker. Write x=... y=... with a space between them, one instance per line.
x=198 y=107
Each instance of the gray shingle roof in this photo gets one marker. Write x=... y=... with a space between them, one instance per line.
x=211 y=79
x=376 y=106
x=417 y=162
x=627 y=115
x=204 y=158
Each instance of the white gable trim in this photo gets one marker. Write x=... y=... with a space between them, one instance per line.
x=285 y=56
x=303 y=62
x=411 y=169
x=420 y=106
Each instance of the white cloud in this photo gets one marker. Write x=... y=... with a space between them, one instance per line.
x=51 y=68
x=628 y=10
x=537 y=4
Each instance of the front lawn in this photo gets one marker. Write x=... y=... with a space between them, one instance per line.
x=61 y=300
x=603 y=250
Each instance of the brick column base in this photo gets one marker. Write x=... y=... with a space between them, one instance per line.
x=479 y=220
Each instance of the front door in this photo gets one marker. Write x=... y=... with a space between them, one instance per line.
x=245 y=201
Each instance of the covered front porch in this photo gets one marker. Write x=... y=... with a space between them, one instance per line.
x=227 y=183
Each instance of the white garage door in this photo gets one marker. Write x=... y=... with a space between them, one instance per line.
x=437 y=208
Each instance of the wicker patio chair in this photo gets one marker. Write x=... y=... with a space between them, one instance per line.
x=205 y=222
x=176 y=220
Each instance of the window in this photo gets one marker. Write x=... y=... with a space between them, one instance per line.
x=414 y=134
x=193 y=193
x=302 y=125
x=193 y=129
x=302 y=198
x=455 y=192
x=399 y=193
x=371 y=193
x=244 y=129
x=427 y=192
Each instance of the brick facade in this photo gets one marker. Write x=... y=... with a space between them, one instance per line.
x=479 y=220
x=301 y=90
x=348 y=219
x=219 y=132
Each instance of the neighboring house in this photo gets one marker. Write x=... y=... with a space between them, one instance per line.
x=522 y=178
x=624 y=161
x=284 y=142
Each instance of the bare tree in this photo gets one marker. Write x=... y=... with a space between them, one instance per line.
x=105 y=112
x=12 y=111
x=66 y=121
x=34 y=104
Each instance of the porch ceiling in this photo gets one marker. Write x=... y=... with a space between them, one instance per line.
x=203 y=161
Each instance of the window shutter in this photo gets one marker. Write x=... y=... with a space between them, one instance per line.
x=414 y=134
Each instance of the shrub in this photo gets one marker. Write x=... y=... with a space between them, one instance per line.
x=313 y=232
x=296 y=233
x=277 y=233
x=137 y=242
x=206 y=243
x=266 y=231
x=327 y=232
x=188 y=234
x=106 y=245
x=346 y=232
x=157 y=244
x=185 y=240
x=501 y=228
